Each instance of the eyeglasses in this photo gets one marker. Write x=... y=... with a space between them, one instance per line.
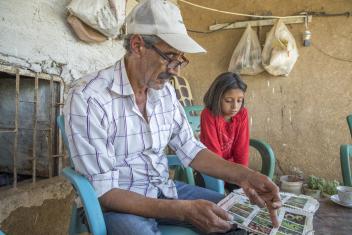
x=173 y=61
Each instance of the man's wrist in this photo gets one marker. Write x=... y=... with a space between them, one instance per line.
x=181 y=208
x=242 y=176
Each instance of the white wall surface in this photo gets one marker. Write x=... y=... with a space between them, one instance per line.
x=34 y=34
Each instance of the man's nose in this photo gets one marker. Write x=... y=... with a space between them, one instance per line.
x=174 y=71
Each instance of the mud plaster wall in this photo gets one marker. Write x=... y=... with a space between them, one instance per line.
x=43 y=208
x=301 y=116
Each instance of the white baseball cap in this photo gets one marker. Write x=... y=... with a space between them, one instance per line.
x=163 y=19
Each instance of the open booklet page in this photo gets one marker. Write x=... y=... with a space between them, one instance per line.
x=302 y=202
x=252 y=218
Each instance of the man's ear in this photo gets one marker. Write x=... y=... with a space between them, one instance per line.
x=137 y=44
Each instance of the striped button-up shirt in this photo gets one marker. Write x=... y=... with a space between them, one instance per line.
x=114 y=146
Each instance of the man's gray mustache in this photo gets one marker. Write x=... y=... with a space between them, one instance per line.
x=165 y=76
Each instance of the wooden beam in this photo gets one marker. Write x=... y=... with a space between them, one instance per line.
x=257 y=23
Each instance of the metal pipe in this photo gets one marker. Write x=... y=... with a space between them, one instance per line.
x=34 y=152
x=50 y=134
x=60 y=148
x=16 y=130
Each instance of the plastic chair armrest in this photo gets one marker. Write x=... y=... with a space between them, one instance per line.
x=173 y=160
x=89 y=200
x=267 y=155
x=214 y=184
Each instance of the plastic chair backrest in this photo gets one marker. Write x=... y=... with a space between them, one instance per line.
x=193 y=113
x=61 y=124
x=345 y=155
x=349 y=122
x=264 y=149
x=86 y=193
x=193 y=117
x=90 y=201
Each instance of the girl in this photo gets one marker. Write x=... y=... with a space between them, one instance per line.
x=224 y=121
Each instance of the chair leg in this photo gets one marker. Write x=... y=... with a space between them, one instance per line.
x=77 y=225
x=73 y=221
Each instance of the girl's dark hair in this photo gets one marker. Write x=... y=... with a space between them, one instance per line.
x=223 y=83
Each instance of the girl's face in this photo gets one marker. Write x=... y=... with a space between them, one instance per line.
x=231 y=103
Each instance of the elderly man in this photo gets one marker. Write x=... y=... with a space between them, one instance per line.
x=119 y=121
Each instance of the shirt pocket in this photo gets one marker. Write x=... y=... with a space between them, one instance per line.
x=161 y=138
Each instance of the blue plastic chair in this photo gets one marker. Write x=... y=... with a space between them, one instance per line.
x=2 y=233
x=90 y=218
x=264 y=149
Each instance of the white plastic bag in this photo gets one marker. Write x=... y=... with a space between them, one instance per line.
x=106 y=16
x=280 y=51
x=247 y=56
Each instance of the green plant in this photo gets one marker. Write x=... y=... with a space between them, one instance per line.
x=297 y=175
x=316 y=183
x=330 y=187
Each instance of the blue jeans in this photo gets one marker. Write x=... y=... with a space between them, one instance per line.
x=119 y=223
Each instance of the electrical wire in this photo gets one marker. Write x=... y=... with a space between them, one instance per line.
x=334 y=57
x=299 y=15
x=324 y=14
x=241 y=14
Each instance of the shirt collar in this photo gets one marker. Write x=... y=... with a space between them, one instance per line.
x=120 y=84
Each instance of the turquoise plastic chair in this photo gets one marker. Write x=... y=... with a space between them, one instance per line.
x=264 y=149
x=1 y=233
x=345 y=155
x=90 y=218
x=349 y=122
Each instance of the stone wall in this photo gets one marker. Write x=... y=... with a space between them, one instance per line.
x=36 y=35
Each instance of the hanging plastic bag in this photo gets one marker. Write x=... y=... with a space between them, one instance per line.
x=106 y=16
x=247 y=56
x=280 y=50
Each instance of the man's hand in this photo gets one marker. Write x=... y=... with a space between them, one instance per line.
x=259 y=188
x=263 y=192
x=206 y=216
